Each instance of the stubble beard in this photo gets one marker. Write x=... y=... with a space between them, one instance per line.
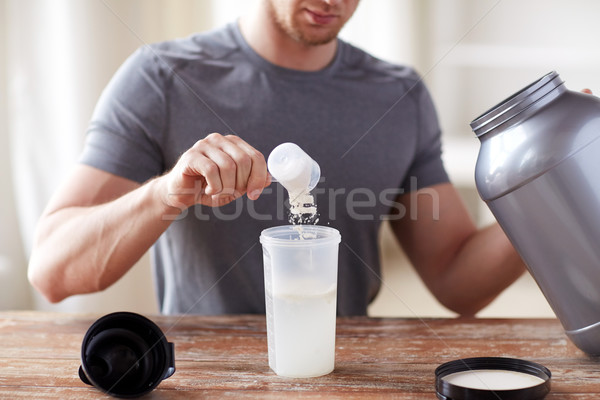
x=300 y=36
x=291 y=28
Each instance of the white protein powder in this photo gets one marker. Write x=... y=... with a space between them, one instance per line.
x=493 y=379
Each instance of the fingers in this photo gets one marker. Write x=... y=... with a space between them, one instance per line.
x=229 y=166
x=224 y=179
x=254 y=174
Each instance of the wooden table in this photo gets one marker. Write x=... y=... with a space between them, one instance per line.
x=226 y=356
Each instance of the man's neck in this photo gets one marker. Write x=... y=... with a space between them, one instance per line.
x=280 y=49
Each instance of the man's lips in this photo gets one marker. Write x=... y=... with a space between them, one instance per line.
x=320 y=18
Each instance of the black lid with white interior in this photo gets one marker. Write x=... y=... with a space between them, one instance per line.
x=492 y=378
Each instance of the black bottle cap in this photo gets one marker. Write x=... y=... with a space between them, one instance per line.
x=125 y=355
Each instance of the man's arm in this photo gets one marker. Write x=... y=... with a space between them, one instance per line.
x=465 y=268
x=97 y=225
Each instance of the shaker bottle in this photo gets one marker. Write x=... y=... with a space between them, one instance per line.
x=538 y=171
x=300 y=264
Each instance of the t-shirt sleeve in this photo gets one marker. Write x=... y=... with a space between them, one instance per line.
x=125 y=131
x=427 y=168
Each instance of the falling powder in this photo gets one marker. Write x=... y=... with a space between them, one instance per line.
x=303 y=209
x=299 y=174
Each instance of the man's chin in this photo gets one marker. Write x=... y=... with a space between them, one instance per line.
x=317 y=40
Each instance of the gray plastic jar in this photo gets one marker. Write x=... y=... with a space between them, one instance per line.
x=538 y=170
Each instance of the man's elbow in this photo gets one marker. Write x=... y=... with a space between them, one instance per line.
x=43 y=283
x=463 y=306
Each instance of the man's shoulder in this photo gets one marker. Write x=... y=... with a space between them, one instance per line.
x=358 y=61
x=208 y=45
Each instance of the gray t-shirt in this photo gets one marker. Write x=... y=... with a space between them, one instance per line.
x=369 y=124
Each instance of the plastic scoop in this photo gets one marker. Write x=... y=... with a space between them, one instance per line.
x=293 y=168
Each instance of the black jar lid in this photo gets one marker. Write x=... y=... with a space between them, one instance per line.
x=446 y=390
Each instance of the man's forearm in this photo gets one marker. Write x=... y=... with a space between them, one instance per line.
x=485 y=265
x=86 y=249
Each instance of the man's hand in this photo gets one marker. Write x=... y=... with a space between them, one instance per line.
x=215 y=171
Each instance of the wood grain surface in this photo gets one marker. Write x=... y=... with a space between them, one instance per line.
x=226 y=357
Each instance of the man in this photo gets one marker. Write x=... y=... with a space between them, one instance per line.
x=151 y=170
